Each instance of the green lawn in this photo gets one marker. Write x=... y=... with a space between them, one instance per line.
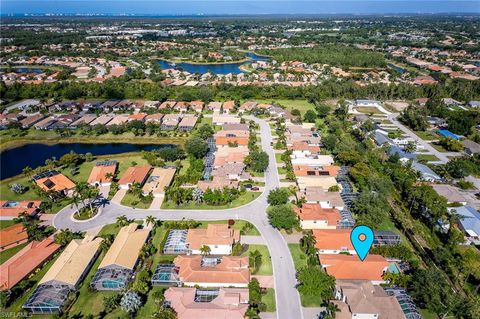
x=6 y=254
x=158 y=241
x=301 y=105
x=278 y=157
x=298 y=256
x=427 y=135
x=368 y=110
x=269 y=300
x=241 y=200
x=427 y=314
x=238 y=225
x=439 y=148
x=6 y=223
x=133 y=201
x=427 y=157
x=149 y=308
x=266 y=267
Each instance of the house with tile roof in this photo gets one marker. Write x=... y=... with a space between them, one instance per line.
x=23 y=263
x=333 y=241
x=12 y=209
x=13 y=236
x=361 y=299
x=350 y=267
x=219 y=237
x=318 y=195
x=102 y=173
x=213 y=271
x=64 y=276
x=117 y=267
x=134 y=174
x=313 y=216
x=222 y=303
x=56 y=182
x=187 y=123
x=159 y=179
x=228 y=137
x=197 y=106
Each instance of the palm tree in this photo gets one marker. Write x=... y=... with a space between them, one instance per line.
x=205 y=250
x=27 y=171
x=74 y=200
x=106 y=242
x=332 y=309
x=122 y=221
x=151 y=220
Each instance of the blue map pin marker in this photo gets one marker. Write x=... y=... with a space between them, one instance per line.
x=362 y=240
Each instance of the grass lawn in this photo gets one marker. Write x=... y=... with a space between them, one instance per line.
x=158 y=241
x=368 y=110
x=298 y=256
x=278 y=157
x=282 y=171
x=238 y=225
x=427 y=314
x=439 y=148
x=241 y=200
x=266 y=266
x=6 y=254
x=133 y=201
x=427 y=157
x=301 y=105
x=149 y=308
x=269 y=300
x=6 y=223
x=427 y=135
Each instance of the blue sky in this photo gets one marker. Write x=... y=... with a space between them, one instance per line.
x=237 y=7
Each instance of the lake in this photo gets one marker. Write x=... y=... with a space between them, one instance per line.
x=13 y=161
x=217 y=68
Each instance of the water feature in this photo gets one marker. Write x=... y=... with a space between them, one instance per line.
x=13 y=161
x=216 y=68
x=396 y=68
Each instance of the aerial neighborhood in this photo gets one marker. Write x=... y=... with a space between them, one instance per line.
x=216 y=167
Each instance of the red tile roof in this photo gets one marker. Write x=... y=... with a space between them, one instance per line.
x=351 y=267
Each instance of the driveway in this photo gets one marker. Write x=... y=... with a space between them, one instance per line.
x=431 y=150
x=286 y=296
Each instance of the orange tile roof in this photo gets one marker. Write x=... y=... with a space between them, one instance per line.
x=228 y=105
x=231 y=303
x=13 y=235
x=306 y=170
x=231 y=270
x=332 y=239
x=316 y=212
x=214 y=234
x=137 y=117
x=25 y=262
x=28 y=207
x=99 y=174
x=304 y=146
x=351 y=267
x=135 y=174
x=59 y=182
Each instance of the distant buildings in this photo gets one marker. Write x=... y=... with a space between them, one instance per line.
x=11 y=209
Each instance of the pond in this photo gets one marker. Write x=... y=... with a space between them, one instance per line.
x=216 y=68
x=396 y=68
x=13 y=161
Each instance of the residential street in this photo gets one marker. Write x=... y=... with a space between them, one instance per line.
x=287 y=297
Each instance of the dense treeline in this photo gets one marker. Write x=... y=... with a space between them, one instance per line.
x=121 y=88
x=331 y=54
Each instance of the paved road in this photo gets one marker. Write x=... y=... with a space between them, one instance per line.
x=286 y=295
x=440 y=155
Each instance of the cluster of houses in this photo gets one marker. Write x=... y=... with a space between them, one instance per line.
x=324 y=212
x=215 y=282
x=80 y=114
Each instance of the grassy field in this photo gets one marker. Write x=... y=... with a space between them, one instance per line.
x=427 y=135
x=301 y=105
x=149 y=308
x=239 y=224
x=439 y=148
x=243 y=199
x=427 y=314
x=269 y=300
x=6 y=254
x=278 y=157
x=298 y=256
x=266 y=267
x=427 y=157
